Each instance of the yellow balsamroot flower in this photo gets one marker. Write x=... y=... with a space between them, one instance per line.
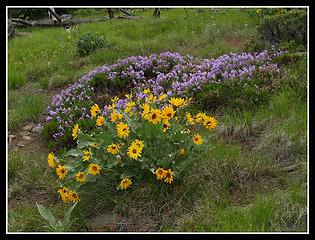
x=110 y=107
x=151 y=99
x=95 y=110
x=190 y=119
x=199 y=117
x=197 y=139
x=138 y=143
x=176 y=101
x=61 y=171
x=51 y=161
x=113 y=149
x=100 y=121
x=146 y=110
x=116 y=116
x=125 y=183
x=115 y=99
x=122 y=130
x=75 y=130
x=129 y=106
x=94 y=169
x=134 y=152
x=154 y=116
x=160 y=173
x=187 y=101
x=92 y=42
x=258 y=10
x=162 y=97
x=80 y=177
x=128 y=96
x=187 y=130
x=168 y=112
x=209 y=122
x=64 y=194
x=95 y=144
x=87 y=155
x=146 y=90
x=168 y=176
x=166 y=124
x=181 y=151
x=73 y=196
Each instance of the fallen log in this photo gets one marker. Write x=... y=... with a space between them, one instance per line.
x=20 y=23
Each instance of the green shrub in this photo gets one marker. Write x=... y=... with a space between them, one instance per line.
x=89 y=41
x=287 y=31
x=241 y=93
x=143 y=142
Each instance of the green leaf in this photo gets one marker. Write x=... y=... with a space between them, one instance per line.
x=91 y=178
x=66 y=218
x=84 y=140
x=46 y=214
x=111 y=163
x=74 y=152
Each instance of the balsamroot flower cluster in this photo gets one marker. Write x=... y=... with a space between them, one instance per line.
x=166 y=75
x=154 y=137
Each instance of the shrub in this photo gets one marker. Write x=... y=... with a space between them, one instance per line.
x=166 y=73
x=287 y=31
x=89 y=41
x=27 y=13
x=147 y=140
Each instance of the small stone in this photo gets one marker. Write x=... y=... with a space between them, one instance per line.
x=104 y=222
x=24 y=133
x=20 y=144
x=27 y=127
x=35 y=130
x=27 y=138
x=11 y=137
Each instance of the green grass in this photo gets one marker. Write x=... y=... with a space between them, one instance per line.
x=15 y=80
x=241 y=185
x=24 y=108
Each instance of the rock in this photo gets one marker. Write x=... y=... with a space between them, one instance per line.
x=24 y=133
x=35 y=130
x=21 y=144
x=28 y=127
x=104 y=222
x=27 y=138
x=11 y=137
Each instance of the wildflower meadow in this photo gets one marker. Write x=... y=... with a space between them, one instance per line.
x=194 y=122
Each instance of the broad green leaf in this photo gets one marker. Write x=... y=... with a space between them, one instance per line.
x=66 y=218
x=74 y=152
x=46 y=214
x=111 y=163
x=84 y=140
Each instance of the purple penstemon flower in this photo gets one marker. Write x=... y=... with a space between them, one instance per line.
x=166 y=72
